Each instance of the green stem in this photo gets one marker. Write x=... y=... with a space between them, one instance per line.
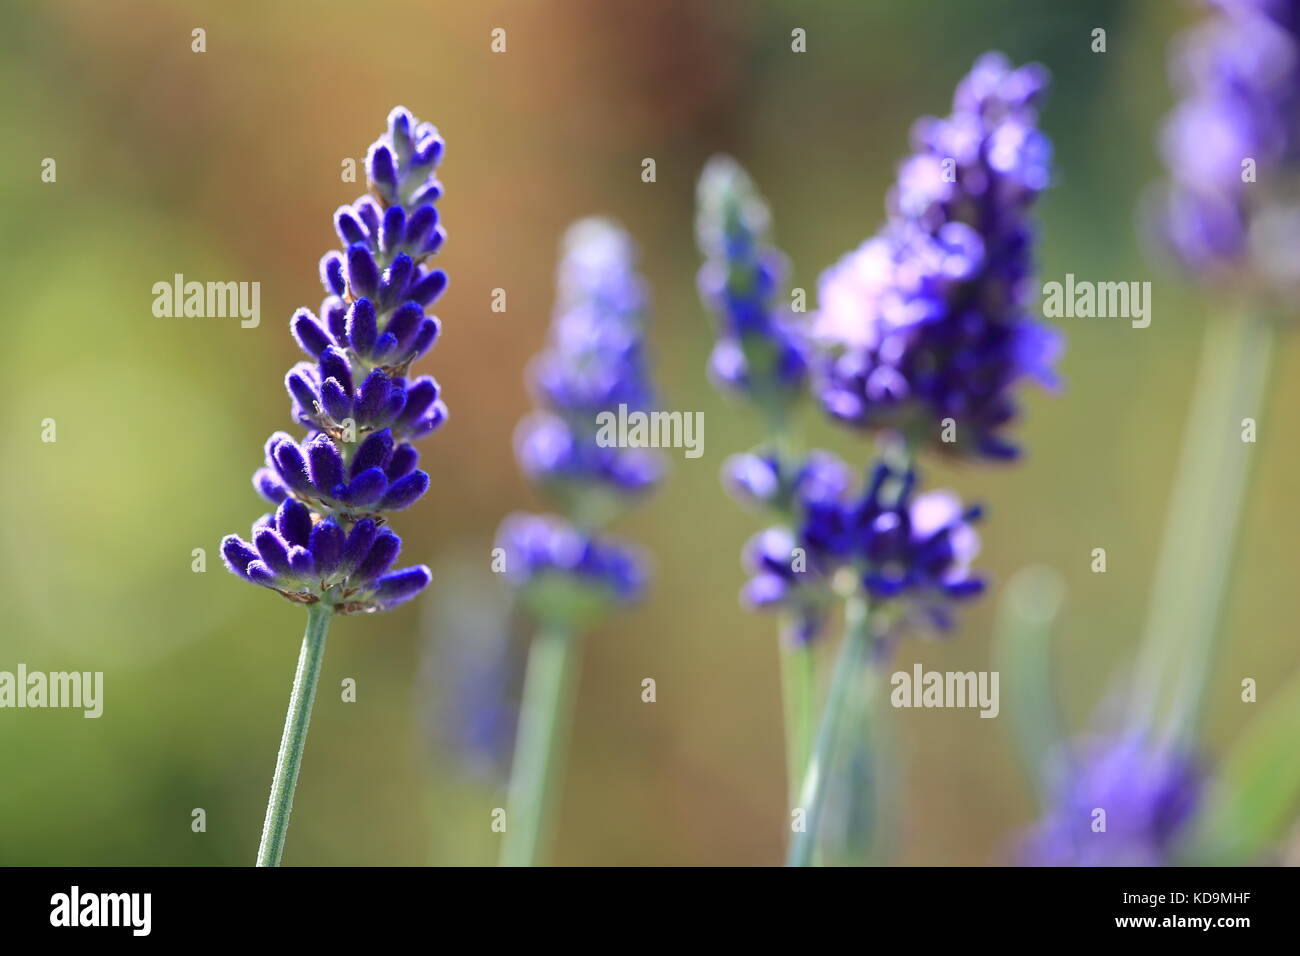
x=1022 y=645
x=295 y=735
x=544 y=717
x=797 y=694
x=854 y=652
x=1187 y=596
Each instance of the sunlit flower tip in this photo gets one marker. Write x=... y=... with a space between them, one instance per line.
x=269 y=485
x=308 y=332
x=331 y=274
x=237 y=554
x=360 y=326
x=291 y=466
x=400 y=163
x=929 y=321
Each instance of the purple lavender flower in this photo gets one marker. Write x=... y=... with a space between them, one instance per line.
x=760 y=353
x=553 y=559
x=1239 y=77
x=1147 y=791
x=929 y=320
x=911 y=554
x=595 y=362
x=325 y=542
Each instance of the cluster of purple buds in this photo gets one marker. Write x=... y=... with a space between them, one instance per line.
x=909 y=553
x=1148 y=792
x=926 y=327
x=595 y=361
x=760 y=353
x=326 y=540
x=1232 y=140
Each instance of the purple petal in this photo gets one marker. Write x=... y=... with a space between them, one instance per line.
x=325 y=464
x=360 y=326
x=402 y=585
x=405 y=491
x=374 y=452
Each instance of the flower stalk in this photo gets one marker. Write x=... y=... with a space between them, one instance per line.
x=294 y=739
x=855 y=651
x=545 y=719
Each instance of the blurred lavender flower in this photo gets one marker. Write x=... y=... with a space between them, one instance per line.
x=1232 y=141
x=325 y=542
x=910 y=554
x=760 y=353
x=565 y=571
x=595 y=361
x=1148 y=792
x=929 y=319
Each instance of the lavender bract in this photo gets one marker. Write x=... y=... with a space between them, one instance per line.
x=594 y=362
x=326 y=541
x=928 y=322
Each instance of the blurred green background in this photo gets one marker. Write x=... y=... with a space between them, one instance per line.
x=225 y=166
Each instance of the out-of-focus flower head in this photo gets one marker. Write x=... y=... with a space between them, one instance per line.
x=1229 y=210
x=595 y=363
x=1147 y=791
x=760 y=352
x=910 y=553
x=926 y=327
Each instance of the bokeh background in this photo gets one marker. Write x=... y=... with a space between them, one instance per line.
x=225 y=165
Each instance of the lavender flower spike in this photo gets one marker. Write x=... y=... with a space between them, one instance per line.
x=926 y=326
x=760 y=353
x=325 y=545
x=565 y=570
x=1232 y=146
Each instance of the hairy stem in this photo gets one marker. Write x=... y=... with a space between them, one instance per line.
x=294 y=740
